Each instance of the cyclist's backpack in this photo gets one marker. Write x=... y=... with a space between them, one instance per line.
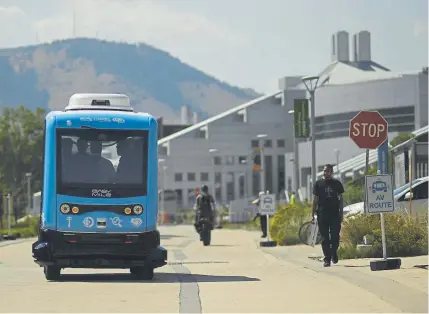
x=205 y=207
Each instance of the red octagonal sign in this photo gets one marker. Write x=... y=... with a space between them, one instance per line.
x=368 y=129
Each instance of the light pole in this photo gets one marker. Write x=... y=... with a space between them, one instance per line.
x=295 y=157
x=28 y=176
x=261 y=151
x=162 y=200
x=310 y=83
x=9 y=214
x=337 y=155
x=244 y=174
x=212 y=151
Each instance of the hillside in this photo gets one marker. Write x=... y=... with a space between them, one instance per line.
x=47 y=75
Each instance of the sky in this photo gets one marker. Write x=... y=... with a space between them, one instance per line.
x=247 y=43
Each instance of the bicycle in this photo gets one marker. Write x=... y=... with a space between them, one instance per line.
x=305 y=231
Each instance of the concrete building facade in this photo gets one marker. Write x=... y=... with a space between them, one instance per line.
x=219 y=151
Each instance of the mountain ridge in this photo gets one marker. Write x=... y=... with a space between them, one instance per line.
x=46 y=75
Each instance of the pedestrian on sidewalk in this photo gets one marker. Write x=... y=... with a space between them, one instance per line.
x=292 y=198
x=262 y=218
x=328 y=204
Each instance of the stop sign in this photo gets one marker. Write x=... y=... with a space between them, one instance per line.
x=368 y=129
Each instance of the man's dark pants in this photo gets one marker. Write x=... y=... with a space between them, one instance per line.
x=263 y=221
x=329 y=228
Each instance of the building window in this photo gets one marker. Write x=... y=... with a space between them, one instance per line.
x=179 y=198
x=230 y=188
x=191 y=176
x=204 y=176
x=218 y=185
x=191 y=196
x=255 y=143
x=229 y=160
x=281 y=172
x=242 y=160
x=217 y=160
x=268 y=143
x=178 y=177
x=242 y=185
x=280 y=143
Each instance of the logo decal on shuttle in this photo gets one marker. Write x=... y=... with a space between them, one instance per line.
x=101 y=193
x=118 y=120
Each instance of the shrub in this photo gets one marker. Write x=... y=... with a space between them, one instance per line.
x=285 y=224
x=405 y=236
x=27 y=229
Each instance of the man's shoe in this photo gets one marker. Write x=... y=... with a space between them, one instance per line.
x=335 y=258
x=327 y=262
x=264 y=236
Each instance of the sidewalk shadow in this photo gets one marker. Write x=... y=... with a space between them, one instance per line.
x=170 y=236
x=158 y=278
x=223 y=245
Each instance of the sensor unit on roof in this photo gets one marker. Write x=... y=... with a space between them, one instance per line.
x=96 y=102
x=118 y=102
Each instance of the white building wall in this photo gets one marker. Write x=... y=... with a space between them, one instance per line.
x=371 y=95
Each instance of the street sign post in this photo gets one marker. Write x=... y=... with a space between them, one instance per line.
x=379 y=194
x=368 y=129
x=267 y=206
x=301 y=119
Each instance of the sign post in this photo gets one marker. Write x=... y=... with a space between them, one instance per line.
x=369 y=130
x=267 y=207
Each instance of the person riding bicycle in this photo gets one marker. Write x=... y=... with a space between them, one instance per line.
x=205 y=207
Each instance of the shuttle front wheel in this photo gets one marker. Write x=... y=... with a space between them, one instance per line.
x=142 y=272
x=52 y=272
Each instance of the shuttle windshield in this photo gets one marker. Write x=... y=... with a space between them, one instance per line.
x=102 y=163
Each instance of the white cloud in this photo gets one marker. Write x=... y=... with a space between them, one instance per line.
x=420 y=29
x=15 y=27
x=11 y=12
x=147 y=21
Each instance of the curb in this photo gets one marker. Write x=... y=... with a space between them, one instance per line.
x=11 y=242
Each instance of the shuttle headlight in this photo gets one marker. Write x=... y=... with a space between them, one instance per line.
x=75 y=210
x=138 y=209
x=65 y=208
x=127 y=210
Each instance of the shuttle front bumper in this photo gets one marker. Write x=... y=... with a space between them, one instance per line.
x=99 y=250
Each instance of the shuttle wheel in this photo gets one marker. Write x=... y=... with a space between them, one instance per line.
x=142 y=272
x=52 y=272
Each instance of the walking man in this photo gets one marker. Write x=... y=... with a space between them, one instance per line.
x=262 y=218
x=328 y=204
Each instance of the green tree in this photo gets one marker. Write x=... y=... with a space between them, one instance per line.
x=401 y=138
x=21 y=145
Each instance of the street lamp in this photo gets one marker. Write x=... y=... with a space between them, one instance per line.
x=212 y=151
x=296 y=156
x=28 y=176
x=162 y=200
x=261 y=151
x=310 y=83
x=337 y=156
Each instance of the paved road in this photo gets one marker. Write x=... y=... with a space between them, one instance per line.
x=232 y=275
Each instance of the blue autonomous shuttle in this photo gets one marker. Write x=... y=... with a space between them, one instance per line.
x=99 y=196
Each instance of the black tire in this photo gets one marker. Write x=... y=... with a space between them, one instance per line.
x=304 y=232
x=142 y=272
x=206 y=234
x=52 y=272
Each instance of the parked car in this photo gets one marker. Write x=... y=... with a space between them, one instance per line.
x=419 y=194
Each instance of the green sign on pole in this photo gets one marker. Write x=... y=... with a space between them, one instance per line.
x=301 y=119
